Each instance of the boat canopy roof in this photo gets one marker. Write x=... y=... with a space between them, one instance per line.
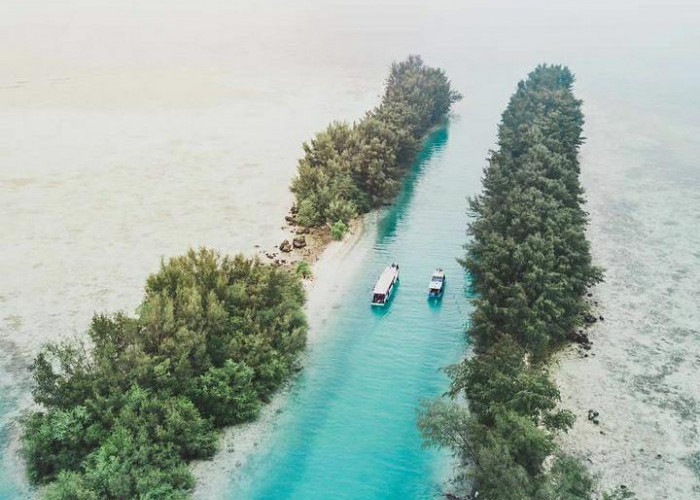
x=385 y=280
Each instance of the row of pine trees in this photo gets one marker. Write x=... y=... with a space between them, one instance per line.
x=350 y=169
x=530 y=266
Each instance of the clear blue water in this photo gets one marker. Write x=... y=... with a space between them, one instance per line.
x=349 y=430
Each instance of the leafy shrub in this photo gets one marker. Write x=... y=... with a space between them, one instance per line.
x=304 y=269
x=338 y=230
x=340 y=210
x=308 y=214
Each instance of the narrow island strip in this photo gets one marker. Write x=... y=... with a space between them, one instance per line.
x=350 y=169
x=121 y=413
x=530 y=266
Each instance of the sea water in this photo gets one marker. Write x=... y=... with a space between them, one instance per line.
x=349 y=430
x=133 y=130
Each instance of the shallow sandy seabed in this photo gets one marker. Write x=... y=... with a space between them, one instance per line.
x=642 y=372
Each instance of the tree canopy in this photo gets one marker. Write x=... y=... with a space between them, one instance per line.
x=350 y=169
x=123 y=413
x=530 y=265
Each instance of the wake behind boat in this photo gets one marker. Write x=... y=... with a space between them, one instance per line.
x=385 y=285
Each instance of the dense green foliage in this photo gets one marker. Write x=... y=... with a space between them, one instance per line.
x=304 y=269
x=530 y=265
x=350 y=169
x=213 y=338
x=338 y=230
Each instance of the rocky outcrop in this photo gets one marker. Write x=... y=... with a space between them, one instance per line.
x=593 y=416
x=285 y=246
x=589 y=319
x=581 y=338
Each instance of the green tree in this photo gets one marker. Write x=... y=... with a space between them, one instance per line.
x=348 y=170
x=213 y=338
x=338 y=230
x=530 y=264
x=304 y=269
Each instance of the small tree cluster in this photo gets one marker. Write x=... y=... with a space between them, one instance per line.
x=213 y=338
x=304 y=269
x=338 y=230
x=350 y=169
x=530 y=265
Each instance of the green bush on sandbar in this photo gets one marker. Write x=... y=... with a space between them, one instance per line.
x=338 y=230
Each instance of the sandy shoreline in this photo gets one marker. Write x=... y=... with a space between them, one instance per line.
x=335 y=264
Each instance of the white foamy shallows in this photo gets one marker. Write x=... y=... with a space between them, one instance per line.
x=332 y=275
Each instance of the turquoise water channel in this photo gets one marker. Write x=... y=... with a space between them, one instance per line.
x=349 y=429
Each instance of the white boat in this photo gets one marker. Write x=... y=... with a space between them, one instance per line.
x=385 y=285
x=436 y=287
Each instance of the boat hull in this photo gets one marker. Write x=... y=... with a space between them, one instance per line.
x=437 y=294
x=384 y=288
x=387 y=298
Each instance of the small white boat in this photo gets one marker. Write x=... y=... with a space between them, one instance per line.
x=385 y=285
x=436 y=287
